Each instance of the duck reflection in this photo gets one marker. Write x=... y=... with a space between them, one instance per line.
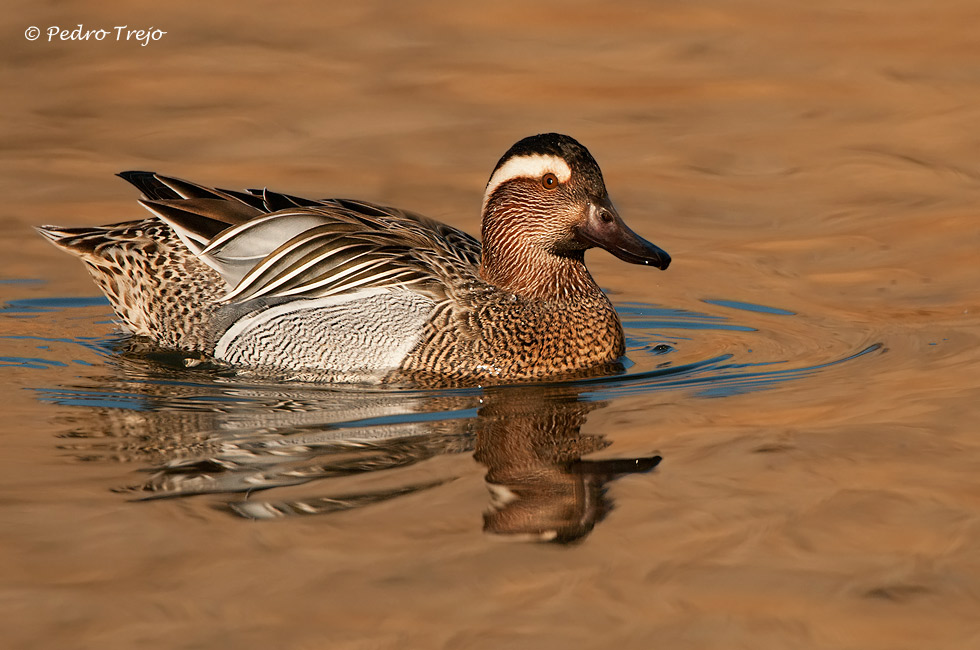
x=275 y=450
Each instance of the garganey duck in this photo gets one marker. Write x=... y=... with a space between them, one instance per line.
x=349 y=291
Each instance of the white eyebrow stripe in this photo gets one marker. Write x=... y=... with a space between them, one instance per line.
x=534 y=166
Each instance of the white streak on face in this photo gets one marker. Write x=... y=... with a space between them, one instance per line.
x=534 y=167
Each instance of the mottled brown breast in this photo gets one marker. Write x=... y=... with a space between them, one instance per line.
x=487 y=335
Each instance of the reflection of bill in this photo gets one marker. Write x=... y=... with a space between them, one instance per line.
x=540 y=487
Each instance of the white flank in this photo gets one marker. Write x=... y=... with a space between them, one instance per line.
x=257 y=320
x=338 y=333
x=534 y=166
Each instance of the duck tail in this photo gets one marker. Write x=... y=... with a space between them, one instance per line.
x=81 y=241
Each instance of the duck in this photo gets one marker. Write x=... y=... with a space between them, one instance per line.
x=349 y=291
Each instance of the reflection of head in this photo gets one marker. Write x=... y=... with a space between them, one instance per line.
x=562 y=508
x=531 y=444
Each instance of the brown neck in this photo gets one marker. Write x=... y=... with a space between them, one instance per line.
x=534 y=273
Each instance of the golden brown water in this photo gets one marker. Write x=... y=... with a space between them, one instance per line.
x=822 y=161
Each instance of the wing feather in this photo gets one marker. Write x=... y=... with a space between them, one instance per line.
x=271 y=245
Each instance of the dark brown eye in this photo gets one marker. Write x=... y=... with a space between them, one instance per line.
x=549 y=181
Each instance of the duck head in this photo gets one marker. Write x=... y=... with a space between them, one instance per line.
x=544 y=206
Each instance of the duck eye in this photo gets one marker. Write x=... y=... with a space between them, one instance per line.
x=549 y=181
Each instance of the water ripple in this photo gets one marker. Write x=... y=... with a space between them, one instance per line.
x=206 y=430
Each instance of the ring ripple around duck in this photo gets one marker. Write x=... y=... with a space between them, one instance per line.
x=205 y=431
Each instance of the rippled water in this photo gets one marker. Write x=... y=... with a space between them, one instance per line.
x=789 y=461
x=199 y=431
